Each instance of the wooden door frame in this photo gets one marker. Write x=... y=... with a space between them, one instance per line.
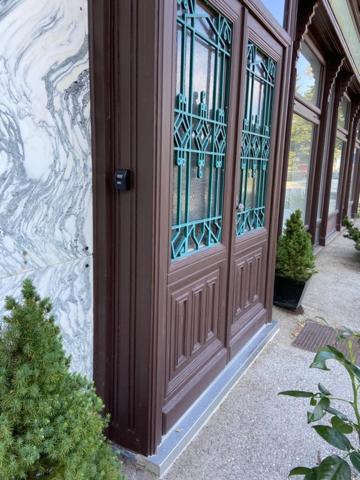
x=129 y=115
x=119 y=360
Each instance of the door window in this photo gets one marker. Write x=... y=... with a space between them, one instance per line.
x=200 y=126
x=255 y=148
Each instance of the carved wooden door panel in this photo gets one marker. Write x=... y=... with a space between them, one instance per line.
x=206 y=74
x=256 y=165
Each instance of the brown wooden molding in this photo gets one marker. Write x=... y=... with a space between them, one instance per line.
x=334 y=67
x=345 y=79
x=306 y=13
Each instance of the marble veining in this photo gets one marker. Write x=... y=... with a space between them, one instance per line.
x=68 y=286
x=45 y=156
x=45 y=161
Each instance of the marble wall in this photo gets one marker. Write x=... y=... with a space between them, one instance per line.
x=45 y=162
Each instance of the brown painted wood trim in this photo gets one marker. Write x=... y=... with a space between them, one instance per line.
x=332 y=70
x=341 y=85
x=340 y=36
x=305 y=14
x=99 y=70
x=345 y=187
x=126 y=103
x=355 y=206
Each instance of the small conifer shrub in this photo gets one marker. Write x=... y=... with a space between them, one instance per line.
x=295 y=257
x=51 y=425
x=353 y=233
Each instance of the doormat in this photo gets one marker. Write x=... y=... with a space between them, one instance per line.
x=315 y=336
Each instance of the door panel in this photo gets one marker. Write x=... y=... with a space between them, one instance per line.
x=253 y=185
x=207 y=71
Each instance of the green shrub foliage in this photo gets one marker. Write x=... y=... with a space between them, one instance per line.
x=51 y=425
x=353 y=233
x=339 y=427
x=295 y=256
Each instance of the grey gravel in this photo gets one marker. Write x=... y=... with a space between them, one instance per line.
x=255 y=434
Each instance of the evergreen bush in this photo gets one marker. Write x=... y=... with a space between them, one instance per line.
x=295 y=257
x=51 y=425
x=352 y=232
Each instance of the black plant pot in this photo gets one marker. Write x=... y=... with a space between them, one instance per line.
x=289 y=293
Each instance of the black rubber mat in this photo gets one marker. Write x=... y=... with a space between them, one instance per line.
x=315 y=336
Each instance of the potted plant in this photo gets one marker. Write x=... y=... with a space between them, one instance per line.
x=295 y=263
x=353 y=233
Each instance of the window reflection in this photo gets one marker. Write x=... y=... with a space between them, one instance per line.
x=277 y=9
x=339 y=148
x=302 y=133
x=308 y=76
x=353 y=169
x=343 y=113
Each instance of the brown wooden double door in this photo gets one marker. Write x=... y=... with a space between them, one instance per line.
x=226 y=79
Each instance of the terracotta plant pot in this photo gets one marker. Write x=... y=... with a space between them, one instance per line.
x=289 y=293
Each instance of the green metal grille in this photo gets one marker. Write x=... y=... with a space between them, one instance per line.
x=200 y=126
x=255 y=148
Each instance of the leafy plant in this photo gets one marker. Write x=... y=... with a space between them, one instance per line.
x=50 y=419
x=353 y=233
x=295 y=257
x=341 y=425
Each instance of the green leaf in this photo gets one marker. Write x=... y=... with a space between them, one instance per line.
x=313 y=402
x=297 y=393
x=337 y=413
x=300 y=471
x=341 y=426
x=325 y=354
x=336 y=439
x=323 y=390
x=334 y=468
x=319 y=410
x=312 y=475
x=355 y=460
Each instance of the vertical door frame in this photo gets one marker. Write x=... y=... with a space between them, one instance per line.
x=126 y=124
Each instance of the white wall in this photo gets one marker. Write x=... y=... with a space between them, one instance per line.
x=45 y=162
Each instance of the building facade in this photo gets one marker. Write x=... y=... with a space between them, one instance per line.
x=150 y=152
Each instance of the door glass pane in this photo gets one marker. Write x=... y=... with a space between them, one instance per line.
x=256 y=135
x=338 y=154
x=200 y=126
x=277 y=8
x=302 y=134
x=308 y=69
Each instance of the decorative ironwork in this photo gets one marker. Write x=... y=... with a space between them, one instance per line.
x=255 y=149
x=200 y=126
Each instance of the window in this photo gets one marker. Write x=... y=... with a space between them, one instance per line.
x=343 y=113
x=302 y=134
x=304 y=130
x=276 y=8
x=200 y=126
x=256 y=135
x=339 y=152
x=334 y=189
x=353 y=174
x=308 y=78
